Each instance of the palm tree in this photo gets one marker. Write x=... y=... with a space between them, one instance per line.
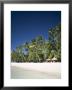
x=55 y=41
x=40 y=43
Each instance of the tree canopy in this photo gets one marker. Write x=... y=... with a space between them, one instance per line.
x=39 y=49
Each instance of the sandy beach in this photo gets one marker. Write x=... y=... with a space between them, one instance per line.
x=36 y=70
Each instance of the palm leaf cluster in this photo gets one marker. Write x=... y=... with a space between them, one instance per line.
x=39 y=49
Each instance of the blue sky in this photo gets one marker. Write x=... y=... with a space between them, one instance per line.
x=26 y=25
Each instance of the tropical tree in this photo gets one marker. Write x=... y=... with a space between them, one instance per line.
x=39 y=49
x=55 y=41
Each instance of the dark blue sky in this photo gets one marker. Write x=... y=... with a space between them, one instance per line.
x=26 y=25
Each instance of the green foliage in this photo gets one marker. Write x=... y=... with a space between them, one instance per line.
x=40 y=49
x=55 y=41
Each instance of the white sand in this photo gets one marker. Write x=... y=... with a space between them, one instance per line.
x=49 y=68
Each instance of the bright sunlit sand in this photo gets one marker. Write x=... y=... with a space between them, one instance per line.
x=36 y=70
